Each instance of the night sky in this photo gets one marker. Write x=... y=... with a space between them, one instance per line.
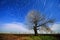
x=16 y=10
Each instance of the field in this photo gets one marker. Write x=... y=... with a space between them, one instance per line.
x=29 y=37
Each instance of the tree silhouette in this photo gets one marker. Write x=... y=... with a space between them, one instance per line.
x=35 y=20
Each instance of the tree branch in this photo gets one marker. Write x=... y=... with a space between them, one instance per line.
x=49 y=21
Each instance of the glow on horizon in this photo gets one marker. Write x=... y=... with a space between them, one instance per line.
x=16 y=27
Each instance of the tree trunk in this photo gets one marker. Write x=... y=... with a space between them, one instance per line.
x=35 y=31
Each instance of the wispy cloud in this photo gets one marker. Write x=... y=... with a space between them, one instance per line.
x=14 y=27
x=56 y=27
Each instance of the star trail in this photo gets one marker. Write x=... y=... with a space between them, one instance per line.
x=16 y=10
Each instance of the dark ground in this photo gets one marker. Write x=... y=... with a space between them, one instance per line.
x=29 y=37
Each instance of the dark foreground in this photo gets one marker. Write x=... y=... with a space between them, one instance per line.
x=29 y=37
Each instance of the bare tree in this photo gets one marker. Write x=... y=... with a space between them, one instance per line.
x=35 y=20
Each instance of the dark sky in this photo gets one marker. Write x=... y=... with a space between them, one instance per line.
x=16 y=10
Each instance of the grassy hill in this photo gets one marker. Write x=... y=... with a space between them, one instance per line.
x=29 y=37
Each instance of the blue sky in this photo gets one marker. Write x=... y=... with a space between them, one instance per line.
x=16 y=10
